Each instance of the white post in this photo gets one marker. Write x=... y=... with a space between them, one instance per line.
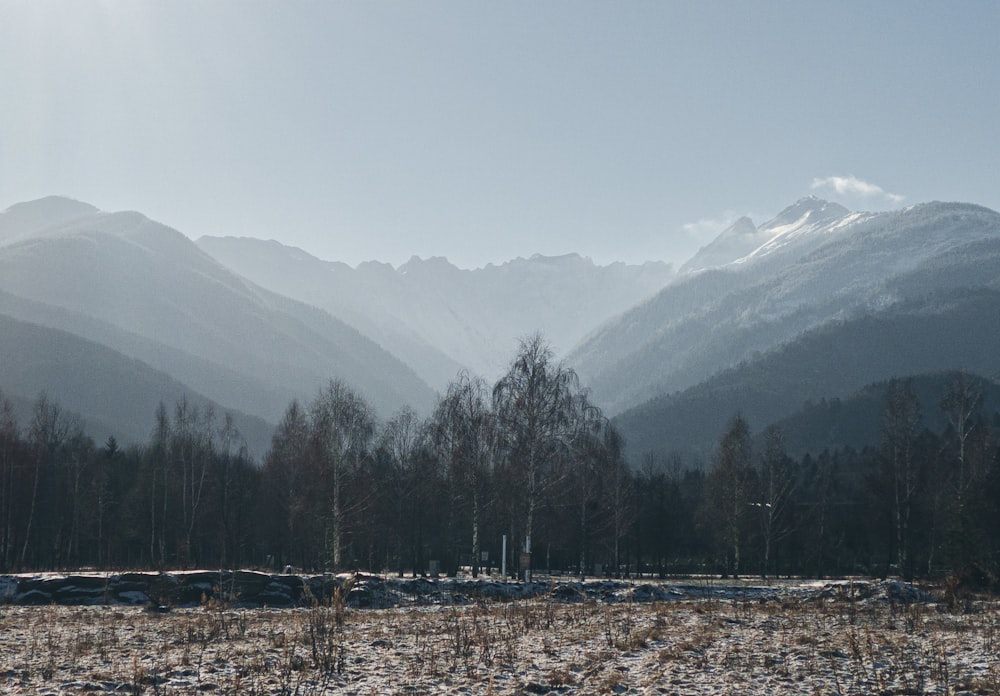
x=527 y=550
x=503 y=562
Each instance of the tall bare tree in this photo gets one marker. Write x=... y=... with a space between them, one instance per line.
x=192 y=449
x=542 y=413
x=728 y=486
x=900 y=422
x=400 y=441
x=10 y=450
x=465 y=436
x=776 y=479
x=287 y=480
x=49 y=430
x=343 y=426
x=961 y=404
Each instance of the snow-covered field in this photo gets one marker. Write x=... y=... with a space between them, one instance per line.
x=865 y=638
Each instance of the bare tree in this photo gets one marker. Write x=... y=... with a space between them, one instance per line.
x=192 y=449
x=234 y=457
x=464 y=434
x=541 y=412
x=102 y=493
x=401 y=439
x=961 y=405
x=776 y=480
x=900 y=422
x=728 y=486
x=618 y=492
x=76 y=461
x=287 y=480
x=159 y=471
x=343 y=426
x=10 y=446
x=49 y=430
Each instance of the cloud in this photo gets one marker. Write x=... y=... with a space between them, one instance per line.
x=858 y=188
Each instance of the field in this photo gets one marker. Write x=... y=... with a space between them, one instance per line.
x=833 y=639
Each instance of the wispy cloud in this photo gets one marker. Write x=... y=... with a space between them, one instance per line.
x=852 y=186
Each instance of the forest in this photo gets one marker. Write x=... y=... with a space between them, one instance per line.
x=529 y=458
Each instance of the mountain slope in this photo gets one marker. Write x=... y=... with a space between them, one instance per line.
x=181 y=307
x=955 y=330
x=114 y=394
x=355 y=297
x=857 y=421
x=801 y=278
x=226 y=385
x=439 y=318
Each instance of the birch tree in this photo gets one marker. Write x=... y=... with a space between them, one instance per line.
x=464 y=433
x=542 y=413
x=343 y=426
x=961 y=404
x=776 y=479
x=728 y=485
x=400 y=441
x=900 y=421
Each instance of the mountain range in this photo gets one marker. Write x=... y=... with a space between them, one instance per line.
x=441 y=319
x=112 y=313
x=147 y=293
x=826 y=303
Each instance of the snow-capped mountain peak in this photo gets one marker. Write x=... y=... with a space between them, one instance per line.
x=804 y=218
x=809 y=209
x=743 y=241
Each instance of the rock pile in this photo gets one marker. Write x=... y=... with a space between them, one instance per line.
x=251 y=589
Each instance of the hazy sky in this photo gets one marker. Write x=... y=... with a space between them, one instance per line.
x=482 y=131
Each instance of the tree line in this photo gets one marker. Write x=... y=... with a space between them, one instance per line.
x=529 y=458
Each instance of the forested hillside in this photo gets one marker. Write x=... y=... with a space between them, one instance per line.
x=954 y=330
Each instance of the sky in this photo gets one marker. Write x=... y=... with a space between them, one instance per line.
x=482 y=131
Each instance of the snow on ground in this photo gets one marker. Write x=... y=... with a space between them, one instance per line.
x=711 y=638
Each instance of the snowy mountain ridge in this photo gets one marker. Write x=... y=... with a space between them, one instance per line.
x=743 y=241
x=821 y=263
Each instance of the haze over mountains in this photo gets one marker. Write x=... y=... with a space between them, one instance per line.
x=440 y=318
x=145 y=291
x=111 y=313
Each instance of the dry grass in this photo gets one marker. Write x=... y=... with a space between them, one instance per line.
x=532 y=646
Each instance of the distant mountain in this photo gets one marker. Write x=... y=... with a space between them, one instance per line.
x=953 y=330
x=818 y=265
x=742 y=238
x=355 y=297
x=145 y=290
x=24 y=220
x=438 y=318
x=113 y=394
x=106 y=310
